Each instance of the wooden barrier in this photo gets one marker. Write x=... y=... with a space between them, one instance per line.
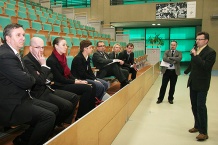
x=102 y=124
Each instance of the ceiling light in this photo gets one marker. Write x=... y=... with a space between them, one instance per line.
x=153 y=24
x=158 y=24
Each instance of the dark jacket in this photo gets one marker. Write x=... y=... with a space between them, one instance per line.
x=14 y=81
x=81 y=69
x=58 y=72
x=39 y=73
x=128 y=59
x=99 y=60
x=200 y=69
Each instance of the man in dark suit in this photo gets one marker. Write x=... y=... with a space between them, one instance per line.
x=16 y=104
x=35 y=62
x=128 y=57
x=170 y=72
x=107 y=66
x=202 y=60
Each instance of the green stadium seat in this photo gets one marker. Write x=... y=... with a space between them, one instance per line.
x=36 y=25
x=43 y=19
x=32 y=17
x=69 y=61
x=12 y=2
x=73 y=31
x=10 y=12
x=10 y=6
x=4 y=21
x=66 y=30
x=76 y=41
x=29 y=6
x=38 y=12
x=58 y=22
x=51 y=20
x=79 y=33
x=47 y=27
x=1 y=34
x=22 y=8
x=84 y=33
x=64 y=23
x=2 y=4
x=25 y=23
x=91 y=34
x=22 y=14
x=21 y=4
x=47 y=15
x=57 y=28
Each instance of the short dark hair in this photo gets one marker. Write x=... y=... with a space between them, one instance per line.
x=174 y=41
x=8 y=28
x=57 y=40
x=98 y=43
x=130 y=44
x=206 y=35
x=84 y=44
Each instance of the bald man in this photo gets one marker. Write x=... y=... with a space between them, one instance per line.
x=35 y=62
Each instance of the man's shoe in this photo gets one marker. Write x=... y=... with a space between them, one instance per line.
x=170 y=101
x=159 y=101
x=193 y=130
x=19 y=141
x=202 y=137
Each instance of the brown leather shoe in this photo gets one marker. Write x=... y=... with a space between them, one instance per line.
x=193 y=130
x=202 y=137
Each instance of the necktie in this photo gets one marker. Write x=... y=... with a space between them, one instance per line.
x=172 y=52
x=28 y=91
x=116 y=55
x=105 y=56
x=18 y=55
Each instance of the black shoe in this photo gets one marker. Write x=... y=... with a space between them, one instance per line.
x=170 y=101
x=19 y=141
x=159 y=101
x=123 y=84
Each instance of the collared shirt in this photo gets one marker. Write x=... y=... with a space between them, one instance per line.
x=14 y=50
x=200 y=49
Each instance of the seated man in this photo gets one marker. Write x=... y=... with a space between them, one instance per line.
x=128 y=57
x=81 y=69
x=107 y=66
x=16 y=104
x=36 y=65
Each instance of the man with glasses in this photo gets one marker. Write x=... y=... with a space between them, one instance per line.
x=35 y=62
x=107 y=66
x=170 y=73
x=203 y=58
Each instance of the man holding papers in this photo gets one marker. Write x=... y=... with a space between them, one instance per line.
x=107 y=66
x=170 y=68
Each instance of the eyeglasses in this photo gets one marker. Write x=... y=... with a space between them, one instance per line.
x=101 y=46
x=199 y=39
x=38 y=47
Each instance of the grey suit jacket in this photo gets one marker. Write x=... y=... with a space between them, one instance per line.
x=175 y=59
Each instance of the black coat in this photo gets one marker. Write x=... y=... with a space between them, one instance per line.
x=128 y=59
x=200 y=69
x=14 y=81
x=81 y=69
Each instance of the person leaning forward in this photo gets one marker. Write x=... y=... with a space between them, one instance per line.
x=16 y=105
x=107 y=66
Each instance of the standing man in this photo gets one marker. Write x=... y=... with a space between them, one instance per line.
x=128 y=57
x=107 y=66
x=35 y=62
x=171 y=72
x=16 y=104
x=202 y=61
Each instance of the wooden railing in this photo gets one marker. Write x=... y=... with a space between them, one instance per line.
x=101 y=125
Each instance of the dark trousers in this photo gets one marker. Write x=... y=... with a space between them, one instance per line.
x=65 y=101
x=114 y=70
x=169 y=75
x=132 y=71
x=199 y=109
x=87 y=99
x=43 y=116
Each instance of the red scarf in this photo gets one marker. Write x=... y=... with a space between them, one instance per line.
x=63 y=61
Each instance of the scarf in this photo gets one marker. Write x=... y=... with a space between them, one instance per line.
x=63 y=61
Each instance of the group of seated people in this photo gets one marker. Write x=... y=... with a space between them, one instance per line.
x=44 y=93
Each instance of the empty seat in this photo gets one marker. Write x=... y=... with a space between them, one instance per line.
x=22 y=14
x=32 y=16
x=2 y=4
x=47 y=27
x=51 y=20
x=43 y=19
x=25 y=23
x=10 y=6
x=73 y=31
x=38 y=12
x=4 y=21
x=22 y=8
x=10 y=12
x=36 y=25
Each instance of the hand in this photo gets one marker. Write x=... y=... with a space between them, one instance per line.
x=80 y=82
x=135 y=67
x=194 y=52
x=41 y=59
x=121 y=62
